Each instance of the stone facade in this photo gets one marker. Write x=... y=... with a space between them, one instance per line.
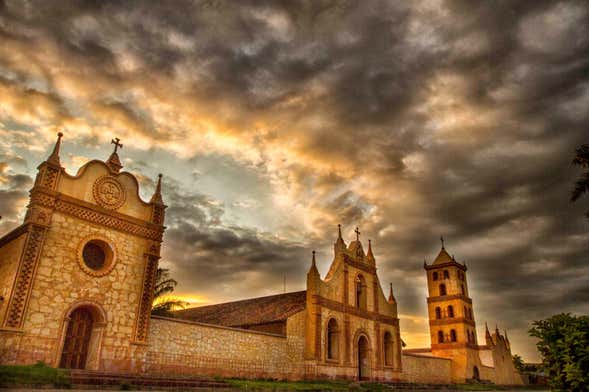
x=82 y=267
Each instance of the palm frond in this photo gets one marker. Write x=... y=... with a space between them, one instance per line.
x=582 y=156
x=581 y=187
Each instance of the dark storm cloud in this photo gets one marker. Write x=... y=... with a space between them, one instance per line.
x=409 y=119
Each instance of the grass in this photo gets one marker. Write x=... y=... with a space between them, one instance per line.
x=38 y=374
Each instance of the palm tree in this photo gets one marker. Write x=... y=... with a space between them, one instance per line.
x=582 y=184
x=163 y=303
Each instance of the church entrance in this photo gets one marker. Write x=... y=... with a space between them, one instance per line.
x=77 y=339
x=475 y=374
x=363 y=360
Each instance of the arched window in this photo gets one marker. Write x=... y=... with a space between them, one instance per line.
x=446 y=274
x=332 y=340
x=442 y=289
x=474 y=338
x=440 y=337
x=469 y=313
x=360 y=292
x=388 y=349
x=435 y=275
x=438 y=313
x=463 y=291
x=452 y=335
x=465 y=312
x=451 y=311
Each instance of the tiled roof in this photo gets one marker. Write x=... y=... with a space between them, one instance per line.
x=248 y=312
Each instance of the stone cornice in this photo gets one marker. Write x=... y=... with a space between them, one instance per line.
x=445 y=265
x=452 y=320
x=339 y=307
x=96 y=214
x=453 y=346
x=445 y=298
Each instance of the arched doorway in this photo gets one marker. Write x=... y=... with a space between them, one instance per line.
x=82 y=332
x=475 y=373
x=363 y=358
x=77 y=339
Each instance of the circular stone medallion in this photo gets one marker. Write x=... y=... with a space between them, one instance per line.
x=108 y=192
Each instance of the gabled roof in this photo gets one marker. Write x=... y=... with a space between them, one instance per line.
x=248 y=312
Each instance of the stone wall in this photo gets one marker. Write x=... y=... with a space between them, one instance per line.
x=187 y=347
x=425 y=369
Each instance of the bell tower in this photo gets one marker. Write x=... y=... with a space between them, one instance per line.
x=450 y=311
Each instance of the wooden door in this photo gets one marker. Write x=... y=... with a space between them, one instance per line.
x=77 y=340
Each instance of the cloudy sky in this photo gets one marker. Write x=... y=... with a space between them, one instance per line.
x=274 y=121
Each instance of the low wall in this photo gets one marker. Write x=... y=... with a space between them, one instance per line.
x=185 y=347
x=424 y=369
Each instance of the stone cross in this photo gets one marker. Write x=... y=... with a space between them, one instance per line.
x=442 y=240
x=116 y=141
x=357 y=231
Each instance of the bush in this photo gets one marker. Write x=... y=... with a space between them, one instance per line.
x=37 y=374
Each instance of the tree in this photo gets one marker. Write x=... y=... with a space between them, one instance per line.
x=582 y=185
x=564 y=346
x=518 y=363
x=163 y=302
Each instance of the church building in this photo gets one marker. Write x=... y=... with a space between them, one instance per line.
x=76 y=290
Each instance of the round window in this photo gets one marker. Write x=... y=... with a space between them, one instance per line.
x=96 y=256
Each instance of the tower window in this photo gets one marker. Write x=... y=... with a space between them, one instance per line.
x=452 y=335
x=446 y=274
x=465 y=313
x=442 y=289
x=463 y=291
x=360 y=292
x=438 y=313
x=451 y=311
x=440 y=337
x=435 y=276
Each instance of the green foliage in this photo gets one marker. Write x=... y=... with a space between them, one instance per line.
x=564 y=346
x=164 y=304
x=582 y=184
x=518 y=363
x=38 y=374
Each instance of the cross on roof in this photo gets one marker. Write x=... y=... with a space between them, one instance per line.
x=116 y=141
x=357 y=231
x=442 y=240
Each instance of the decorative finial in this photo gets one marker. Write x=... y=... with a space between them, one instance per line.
x=391 y=295
x=116 y=142
x=113 y=161
x=369 y=254
x=442 y=241
x=157 y=195
x=357 y=231
x=54 y=157
x=339 y=231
